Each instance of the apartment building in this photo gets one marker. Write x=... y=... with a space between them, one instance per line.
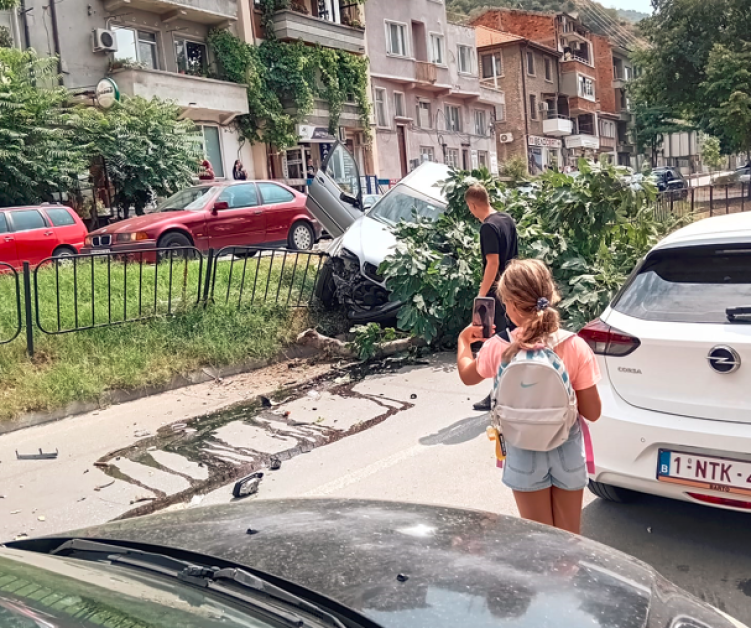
x=334 y=24
x=578 y=97
x=428 y=103
x=623 y=72
x=145 y=48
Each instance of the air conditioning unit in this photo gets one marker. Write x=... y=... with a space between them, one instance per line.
x=505 y=138
x=104 y=40
x=342 y=134
x=543 y=106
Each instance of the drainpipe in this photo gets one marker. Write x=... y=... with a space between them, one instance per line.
x=56 y=39
x=24 y=18
x=525 y=104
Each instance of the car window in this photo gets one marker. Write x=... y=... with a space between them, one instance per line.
x=60 y=217
x=688 y=286
x=3 y=223
x=343 y=170
x=27 y=220
x=190 y=199
x=273 y=194
x=401 y=204
x=238 y=196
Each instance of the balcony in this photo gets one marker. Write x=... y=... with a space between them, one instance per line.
x=624 y=115
x=579 y=105
x=319 y=116
x=577 y=64
x=556 y=125
x=212 y=12
x=426 y=72
x=293 y=26
x=200 y=98
x=492 y=83
x=619 y=82
x=583 y=141
x=607 y=142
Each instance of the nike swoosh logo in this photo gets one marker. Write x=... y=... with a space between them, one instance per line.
x=528 y=385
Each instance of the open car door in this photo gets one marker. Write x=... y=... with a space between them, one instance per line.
x=335 y=195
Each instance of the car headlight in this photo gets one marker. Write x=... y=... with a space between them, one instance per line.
x=131 y=237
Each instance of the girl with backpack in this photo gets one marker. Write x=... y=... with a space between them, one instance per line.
x=545 y=386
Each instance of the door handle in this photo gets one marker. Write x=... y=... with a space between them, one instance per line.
x=48 y=233
x=257 y=211
x=7 y=239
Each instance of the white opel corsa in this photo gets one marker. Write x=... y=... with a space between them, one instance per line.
x=674 y=348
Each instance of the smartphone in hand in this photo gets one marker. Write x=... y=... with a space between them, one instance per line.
x=483 y=315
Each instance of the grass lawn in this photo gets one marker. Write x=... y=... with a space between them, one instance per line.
x=240 y=324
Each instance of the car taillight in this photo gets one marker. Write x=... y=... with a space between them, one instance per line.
x=604 y=340
x=721 y=501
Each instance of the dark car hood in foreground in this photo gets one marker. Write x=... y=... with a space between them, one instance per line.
x=462 y=568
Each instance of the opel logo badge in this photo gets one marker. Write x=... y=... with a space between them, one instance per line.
x=724 y=360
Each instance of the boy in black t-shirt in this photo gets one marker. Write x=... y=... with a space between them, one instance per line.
x=499 y=246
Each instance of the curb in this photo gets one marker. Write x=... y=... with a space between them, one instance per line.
x=116 y=397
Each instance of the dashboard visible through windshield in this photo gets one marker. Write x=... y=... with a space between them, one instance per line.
x=403 y=204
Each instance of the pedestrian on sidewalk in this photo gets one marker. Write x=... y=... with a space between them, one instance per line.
x=535 y=405
x=238 y=171
x=205 y=171
x=499 y=246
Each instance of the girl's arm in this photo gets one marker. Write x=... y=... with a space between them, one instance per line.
x=590 y=406
x=466 y=364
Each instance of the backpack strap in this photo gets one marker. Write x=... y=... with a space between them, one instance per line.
x=561 y=336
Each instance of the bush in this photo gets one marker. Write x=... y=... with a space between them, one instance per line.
x=590 y=230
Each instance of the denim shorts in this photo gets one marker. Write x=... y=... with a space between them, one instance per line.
x=563 y=467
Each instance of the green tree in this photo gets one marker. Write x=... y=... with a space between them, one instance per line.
x=38 y=156
x=727 y=94
x=652 y=122
x=7 y=5
x=147 y=150
x=711 y=153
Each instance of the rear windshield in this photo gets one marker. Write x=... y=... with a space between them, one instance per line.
x=693 y=285
x=401 y=203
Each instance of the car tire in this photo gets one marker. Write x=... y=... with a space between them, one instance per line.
x=611 y=493
x=175 y=240
x=325 y=290
x=64 y=251
x=301 y=236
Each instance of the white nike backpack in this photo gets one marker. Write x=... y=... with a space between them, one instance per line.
x=533 y=403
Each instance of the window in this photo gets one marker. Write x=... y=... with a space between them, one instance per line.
x=27 y=220
x=481 y=123
x=548 y=69
x=192 y=57
x=453 y=118
x=452 y=157
x=500 y=108
x=437 y=55
x=530 y=63
x=465 y=59
x=607 y=128
x=60 y=217
x=586 y=88
x=139 y=46
x=424 y=117
x=533 y=107
x=3 y=223
x=399 y=104
x=396 y=38
x=691 y=285
x=427 y=153
x=239 y=196
x=212 y=149
x=342 y=169
x=629 y=73
x=380 y=106
x=273 y=194
x=482 y=158
x=491 y=65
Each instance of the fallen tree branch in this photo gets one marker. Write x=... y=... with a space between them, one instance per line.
x=335 y=347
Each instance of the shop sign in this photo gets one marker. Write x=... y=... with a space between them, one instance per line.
x=314 y=134
x=547 y=142
x=107 y=93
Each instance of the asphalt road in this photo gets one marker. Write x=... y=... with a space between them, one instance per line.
x=436 y=452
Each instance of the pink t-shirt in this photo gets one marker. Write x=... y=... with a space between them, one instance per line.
x=576 y=355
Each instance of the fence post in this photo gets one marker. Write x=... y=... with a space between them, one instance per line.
x=727 y=200
x=207 y=279
x=27 y=305
x=743 y=197
x=711 y=199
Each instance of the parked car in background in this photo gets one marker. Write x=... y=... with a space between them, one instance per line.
x=31 y=234
x=675 y=352
x=670 y=180
x=363 y=239
x=216 y=215
x=334 y=563
x=369 y=200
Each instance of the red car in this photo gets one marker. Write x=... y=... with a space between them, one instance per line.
x=31 y=234
x=216 y=215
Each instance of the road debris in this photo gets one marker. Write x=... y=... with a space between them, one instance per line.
x=41 y=518
x=42 y=455
x=179 y=426
x=275 y=464
x=251 y=531
x=141 y=498
x=413 y=396
x=101 y=486
x=141 y=433
x=102 y=465
x=402 y=577
x=15 y=512
x=247 y=485
x=22 y=536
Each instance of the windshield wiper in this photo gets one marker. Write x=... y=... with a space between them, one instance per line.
x=241 y=585
x=733 y=313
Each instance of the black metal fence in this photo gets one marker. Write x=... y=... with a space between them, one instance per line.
x=71 y=294
x=704 y=201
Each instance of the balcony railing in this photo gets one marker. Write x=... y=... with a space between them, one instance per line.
x=493 y=83
x=426 y=72
x=294 y=26
x=204 y=11
x=556 y=124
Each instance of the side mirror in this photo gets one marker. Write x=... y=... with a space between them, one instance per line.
x=218 y=206
x=348 y=198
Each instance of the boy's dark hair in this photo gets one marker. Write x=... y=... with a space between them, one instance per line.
x=477 y=193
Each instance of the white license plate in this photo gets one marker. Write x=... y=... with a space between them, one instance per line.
x=717 y=474
x=101 y=250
